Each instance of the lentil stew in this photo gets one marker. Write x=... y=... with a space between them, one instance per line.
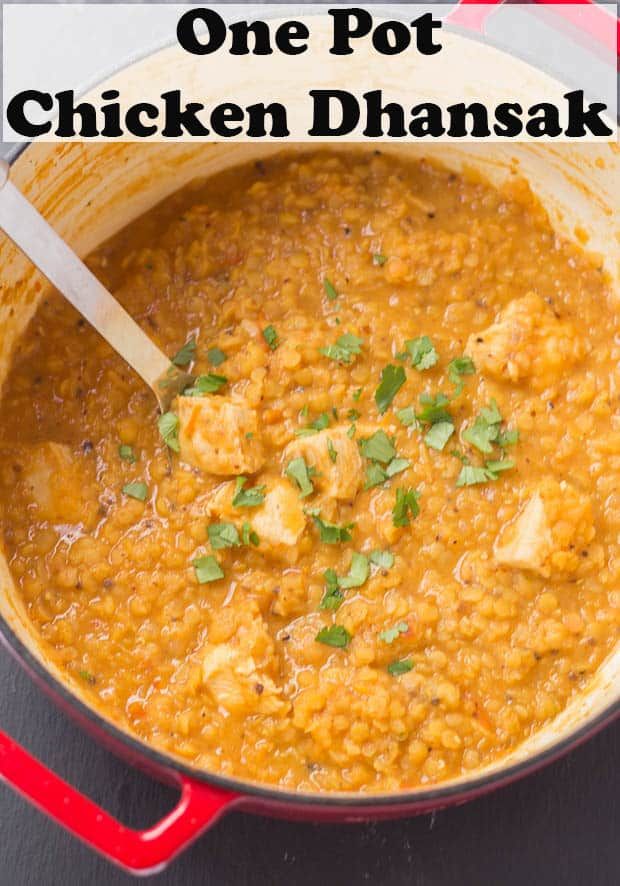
x=376 y=545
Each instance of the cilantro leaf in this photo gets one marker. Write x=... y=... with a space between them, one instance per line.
x=397 y=466
x=378 y=447
x=358 y=572
x=497 y=467
x=335 y=636
x=332 y=451
x=406 y=507
x=223 y=535
x=439 y=434
x=392 y=380
x=379 y=259
x=357 y=394
x=271 y=337
x=216 y=357
x=330 y=533
x=382 y=559
x=346 y=347
x=508 y=437
x=247 y=498
x=433 y=409
x=330 y=289
x=248 y=536
x=491 y=413
x=375 y=476
x=186 y=354
x=481 y=434
x=401 y=666
x=137 y=490
x=298 y=471
x=422 y=352
x=407 y=417
x=391 y=634
x=319 y=424
x=333 y=596
x=207 y=569
x=205 y=384
x=168 y=425
x=127 y=454
x=459 y=367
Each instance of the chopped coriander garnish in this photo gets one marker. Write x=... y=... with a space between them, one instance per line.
x=497 y=467
x=168 y=425
x=382 y=559
x=422 y=352
x=379 y=447
x=406 y=416
x=330 y=533
x=406 y=507
x=127 y=454
x=186 y=354
x=481 y=435
x=207 y=569
x=433 y=409
x=439 y=434
x=461 y=457
x=357 y=394
x=87 y=677
x=330 y=289
x=205 y=384
x=346 y=347
x=379 y=259
x=375 y=476
x=333 y=596
x=485 y=430
x=351 y=432
x=392 y=380
x=397 y=466
x=223 y=535
x=391 y=634
x=457 y=368
x=271 y=337
x=508 y=437
x=298 y=471
x=491 y=413
x=247 y=498
x=471 y=475
x=215 y=356
x=401 y=666
x=332 y=451
x=358 y=573
x=248 y=536
x=335 y=635
x=137 y=490
x=353 y=414
x=319 y=424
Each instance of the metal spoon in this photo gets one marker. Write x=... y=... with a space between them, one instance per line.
x=51 y=255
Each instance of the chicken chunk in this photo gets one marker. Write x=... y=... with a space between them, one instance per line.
x=550 y=532
x=528 y=341
x=278 y=521
x=219 y=435
x=281 y=519
x=335 y=458
x=53 y=480
x=239 y=674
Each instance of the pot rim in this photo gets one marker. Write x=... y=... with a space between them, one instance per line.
x=162 y=763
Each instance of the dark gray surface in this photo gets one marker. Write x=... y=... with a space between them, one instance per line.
x=560 y=826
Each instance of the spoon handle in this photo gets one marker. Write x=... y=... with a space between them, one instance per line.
x=53 y=257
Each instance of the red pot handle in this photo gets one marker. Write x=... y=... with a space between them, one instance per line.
x=141 y=852
x=596 y=25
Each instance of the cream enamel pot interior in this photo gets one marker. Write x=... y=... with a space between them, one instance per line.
x=88 y=193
